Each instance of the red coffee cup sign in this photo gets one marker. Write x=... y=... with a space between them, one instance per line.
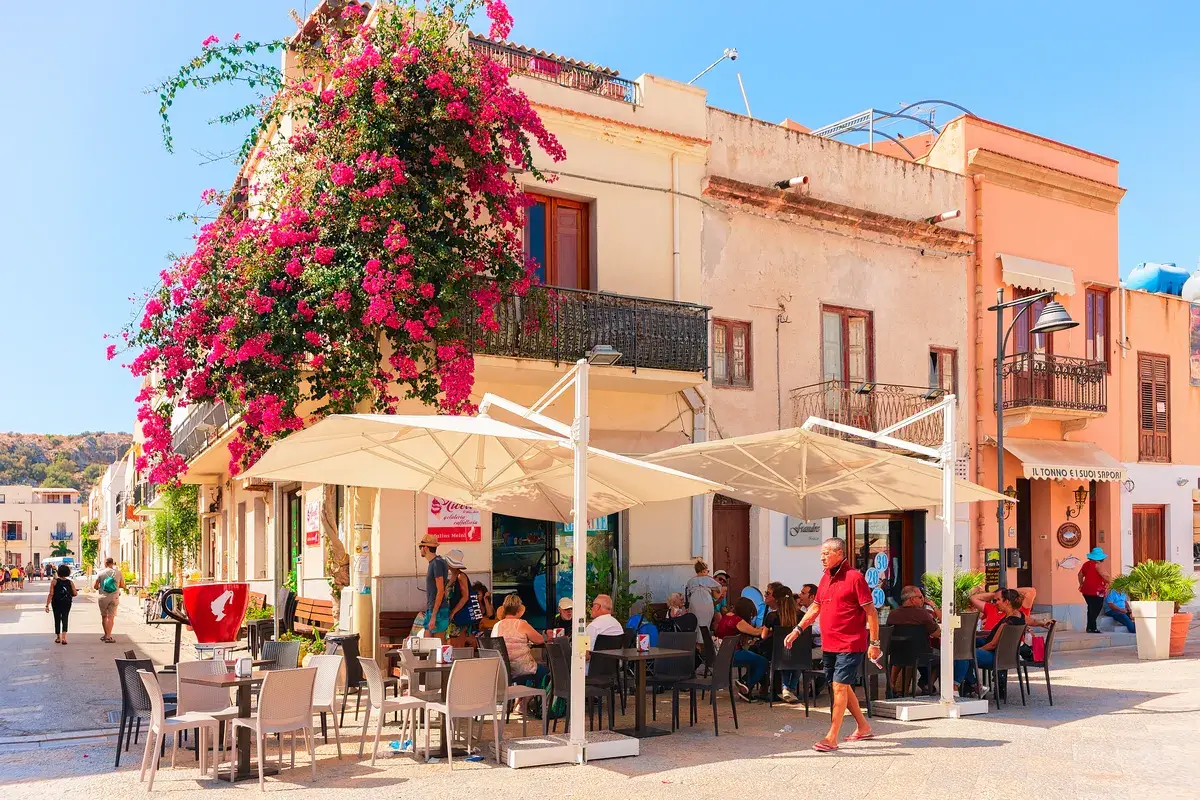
x=216 y=610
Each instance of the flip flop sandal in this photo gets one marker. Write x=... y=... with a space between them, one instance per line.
x=859 y=737
x=822 y=747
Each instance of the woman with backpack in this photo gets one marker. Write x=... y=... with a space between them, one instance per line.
x=464 y=605
x=62 y=590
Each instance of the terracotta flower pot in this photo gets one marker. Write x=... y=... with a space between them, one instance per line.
x=1180 y=623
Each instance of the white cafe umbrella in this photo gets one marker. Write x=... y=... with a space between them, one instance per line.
x=478 y=461
x=812 y=476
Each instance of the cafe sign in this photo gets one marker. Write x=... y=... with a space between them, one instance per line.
x=454 y=522
x=1066 y=473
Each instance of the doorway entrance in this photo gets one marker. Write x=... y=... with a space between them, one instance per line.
x=535 y=558
x=731 y=542
x=1148 y=533
x=1024 y=532
x=891 y=544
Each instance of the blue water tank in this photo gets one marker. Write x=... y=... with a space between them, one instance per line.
x=1160 y=278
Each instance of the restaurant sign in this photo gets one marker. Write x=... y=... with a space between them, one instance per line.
x=454 y=522
x=1067 y=473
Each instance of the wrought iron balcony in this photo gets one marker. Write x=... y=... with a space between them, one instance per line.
x=563 y=324
x=1076 y=386
x=871 y=407
x=144 y=494
x=555 y=69
x=199 y=429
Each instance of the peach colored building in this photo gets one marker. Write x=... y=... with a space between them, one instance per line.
x=1044 y=217
x=834 y=299
x=1160 y=428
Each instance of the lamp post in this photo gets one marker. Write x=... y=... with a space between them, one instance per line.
x=1052 y=319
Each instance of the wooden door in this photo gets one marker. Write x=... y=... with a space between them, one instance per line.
x=1148 y=533
x=731 y=542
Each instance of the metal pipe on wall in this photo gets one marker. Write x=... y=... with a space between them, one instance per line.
x=676 y=269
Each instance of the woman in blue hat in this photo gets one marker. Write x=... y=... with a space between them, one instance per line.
x=1093 y=585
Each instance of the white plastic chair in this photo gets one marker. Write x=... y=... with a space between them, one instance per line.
x=211 y=700
x=428 y=691
x=470 y=693
x=329 y=668
x=406 y=706
x=161 y=726
x=506 y=694
x=284 y=706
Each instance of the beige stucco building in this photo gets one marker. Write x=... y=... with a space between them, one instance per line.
x=33 y=520
x=833 y=298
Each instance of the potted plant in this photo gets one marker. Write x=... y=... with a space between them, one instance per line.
x=1156 y=589
x=965 y=584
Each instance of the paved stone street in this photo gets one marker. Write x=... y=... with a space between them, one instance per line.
x=1119 y=728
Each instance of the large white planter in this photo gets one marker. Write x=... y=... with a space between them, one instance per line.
x=1153 y=621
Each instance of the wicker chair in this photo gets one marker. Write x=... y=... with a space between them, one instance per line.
x=161 y=725
x=135 y=704
x=470 y=693
x=286 y=655
x=721 y=677
x=284 y=706
x=211 y=700
x=1006 y=658
x=329 y=669
x=508 y=693
x=407 y=706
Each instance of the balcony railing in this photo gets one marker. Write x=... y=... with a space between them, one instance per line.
x=563 y=324
x=199 y=428
x=144 y=494
x=61 y=536
x=1045 y=380
x=564 y=72
x=883 y=405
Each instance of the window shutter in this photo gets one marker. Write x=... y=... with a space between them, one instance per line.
x=739 y=375
x=1154 y=408
x=720 y=368
x=568 y=233
x=1162 y=409
x=831 y=342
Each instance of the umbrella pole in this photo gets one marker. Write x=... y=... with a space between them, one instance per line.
x=948 y=532
x=580 y=432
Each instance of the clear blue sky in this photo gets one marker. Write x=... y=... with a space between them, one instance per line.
x=89 y=186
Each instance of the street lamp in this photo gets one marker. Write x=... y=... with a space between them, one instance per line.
x=1052 y=319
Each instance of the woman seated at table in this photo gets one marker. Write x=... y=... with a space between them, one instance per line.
x=679 y=619
x=518 y=635
x=740 y=622
x=484 y=596
x=783 y=615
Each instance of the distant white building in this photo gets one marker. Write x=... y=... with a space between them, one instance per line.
x=111 y=484
x=35 y=519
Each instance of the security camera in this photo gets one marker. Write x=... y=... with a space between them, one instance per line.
x=731 y=53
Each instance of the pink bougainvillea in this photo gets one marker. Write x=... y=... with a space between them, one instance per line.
x=386 y=231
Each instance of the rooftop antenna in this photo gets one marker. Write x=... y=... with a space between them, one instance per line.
x=742 y=86
x=729 y=53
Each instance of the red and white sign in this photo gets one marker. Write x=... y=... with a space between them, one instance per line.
x=454 y=522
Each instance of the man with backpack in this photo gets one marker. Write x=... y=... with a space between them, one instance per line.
x=109 y=582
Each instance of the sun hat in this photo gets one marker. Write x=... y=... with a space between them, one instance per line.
x=455 y=559
x=428 y=540
x=565 y=604
x=1096 y=554
x=721 y=572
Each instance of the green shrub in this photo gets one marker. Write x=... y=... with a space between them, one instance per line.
x=1161 y=581
x=965 y=584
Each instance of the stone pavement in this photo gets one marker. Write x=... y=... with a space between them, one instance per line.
x=47 y=688
x=1119 y=728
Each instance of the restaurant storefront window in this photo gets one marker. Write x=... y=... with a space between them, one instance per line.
x=886 y=548
x=534 y=559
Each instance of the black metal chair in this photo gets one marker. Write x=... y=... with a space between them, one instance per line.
x=909 y=651
x=720 y=677
x=669 y=671
x=559 y=655
x=797 y=658
x=1006 y=657
x=135 y=702
x=1044 y=663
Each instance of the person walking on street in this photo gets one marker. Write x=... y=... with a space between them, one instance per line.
x=109 y=582
x=845 y=609
x=437 y=575
x=1093 y=585
x=62 y=590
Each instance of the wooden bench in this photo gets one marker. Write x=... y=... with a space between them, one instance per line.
x=396 y=625
x=313 y=616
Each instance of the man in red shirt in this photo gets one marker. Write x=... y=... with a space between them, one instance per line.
x=846 y=610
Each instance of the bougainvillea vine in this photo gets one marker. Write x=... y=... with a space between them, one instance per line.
x=374 y=228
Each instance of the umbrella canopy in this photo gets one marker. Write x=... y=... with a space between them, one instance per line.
x=479 y=461
x=812 y=476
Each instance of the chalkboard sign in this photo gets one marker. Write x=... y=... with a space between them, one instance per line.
x=991 y=569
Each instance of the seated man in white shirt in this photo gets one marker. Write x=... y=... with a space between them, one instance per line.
x=603 y=622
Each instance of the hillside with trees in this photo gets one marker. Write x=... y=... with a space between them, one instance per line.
x=74 y=460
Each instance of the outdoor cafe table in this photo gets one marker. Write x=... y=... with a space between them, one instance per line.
x=242 y=770
x=629 y=654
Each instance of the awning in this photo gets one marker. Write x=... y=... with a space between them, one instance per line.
x=1041 y=276
x=1068 y=461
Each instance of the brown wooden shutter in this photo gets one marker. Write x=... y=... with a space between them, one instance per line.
x=568 y=247
x=1154 y=408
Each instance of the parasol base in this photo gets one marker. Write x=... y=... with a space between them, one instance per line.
x=913 y=709
x=540 y=751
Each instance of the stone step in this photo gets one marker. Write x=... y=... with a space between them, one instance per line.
x=1078 y=640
